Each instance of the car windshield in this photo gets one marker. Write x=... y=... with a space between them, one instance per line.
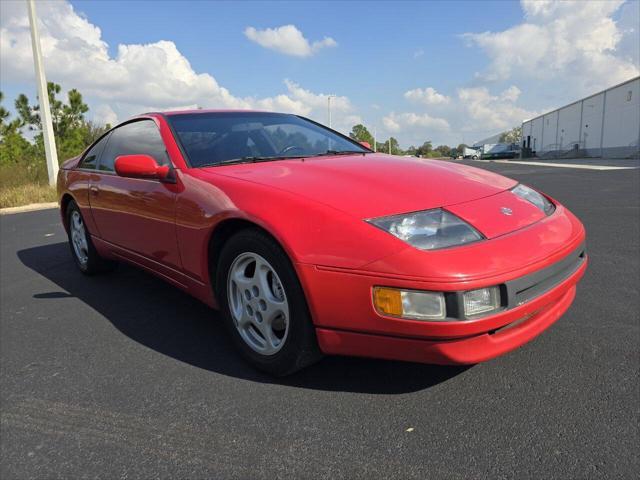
x=236 y=137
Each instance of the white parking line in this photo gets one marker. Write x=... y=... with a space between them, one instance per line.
x=563 y=165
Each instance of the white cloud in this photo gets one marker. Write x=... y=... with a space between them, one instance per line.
x=567 y=40
x=491 y=112
x=304 y=102
x=428 y=96
x=391 y=124
x=413 y=121
x=511 y=94
x=287 y=39
x=104 y=114
x=418 y=53
x=76 y=56
x=139 y=78
x=473 y=113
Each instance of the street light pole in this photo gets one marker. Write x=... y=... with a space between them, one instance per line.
x=375 y=141
x=329 y=97
x=45 y=112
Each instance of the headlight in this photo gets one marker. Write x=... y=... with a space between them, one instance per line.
x=530 y=195
x=411 y=304
x=483 y=300
x=429 y=230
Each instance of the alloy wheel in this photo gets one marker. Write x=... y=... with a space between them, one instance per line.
x=258 y=303
x=79 y=238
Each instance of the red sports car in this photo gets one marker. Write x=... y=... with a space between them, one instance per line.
x=310 y=243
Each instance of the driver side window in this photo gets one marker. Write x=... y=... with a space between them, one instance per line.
x=139 y=137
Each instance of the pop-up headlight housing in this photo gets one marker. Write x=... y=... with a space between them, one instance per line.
x=429 y=229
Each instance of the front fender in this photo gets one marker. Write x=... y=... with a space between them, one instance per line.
x=310 y=232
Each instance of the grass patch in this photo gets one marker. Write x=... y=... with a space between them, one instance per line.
x=24 y=184
x=26 y=194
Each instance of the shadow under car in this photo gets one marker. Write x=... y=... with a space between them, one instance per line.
x=169 y=321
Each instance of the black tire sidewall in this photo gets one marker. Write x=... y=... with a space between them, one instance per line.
x=300 y=346
x=95 y=263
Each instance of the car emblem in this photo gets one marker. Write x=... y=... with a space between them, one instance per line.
x=506 y=211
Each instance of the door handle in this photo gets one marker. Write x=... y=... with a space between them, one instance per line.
x=94 y=190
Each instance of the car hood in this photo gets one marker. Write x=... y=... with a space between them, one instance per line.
x=373 y=185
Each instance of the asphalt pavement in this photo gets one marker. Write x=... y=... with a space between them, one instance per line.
x=123 y=376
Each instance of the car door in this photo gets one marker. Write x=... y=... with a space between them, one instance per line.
x=79 y=178
x=135 y=214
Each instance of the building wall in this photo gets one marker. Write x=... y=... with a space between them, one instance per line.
x=536 y=133
x=622 y=116
x=569 y=126
x=526 y=130
x=592 y=123
x=605 y=124
x=549 y=131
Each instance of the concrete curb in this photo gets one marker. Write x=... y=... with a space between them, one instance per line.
x=32 y=207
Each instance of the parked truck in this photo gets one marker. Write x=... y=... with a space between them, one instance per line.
x=500 y=150
x=469 y=152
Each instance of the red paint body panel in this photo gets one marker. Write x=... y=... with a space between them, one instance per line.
x=374 y=185
x=315 y=208
x=482 y=214
x=76 y=184
x=310 y=232
x=343 y=301
x=462 y=351
x=137 y=214
x=514 y=254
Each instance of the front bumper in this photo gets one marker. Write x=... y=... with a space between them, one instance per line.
x=347 y=323
x=457 y=351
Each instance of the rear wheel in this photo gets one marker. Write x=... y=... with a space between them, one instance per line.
x=263 y=304
x=82 y=249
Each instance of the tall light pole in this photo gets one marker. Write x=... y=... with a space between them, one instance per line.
x=45 y=112
x=375 y=141
x=329 y=97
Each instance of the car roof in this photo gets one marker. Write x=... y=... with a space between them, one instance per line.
x=191 y=111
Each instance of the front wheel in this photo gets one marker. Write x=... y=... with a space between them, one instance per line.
x=263 y=304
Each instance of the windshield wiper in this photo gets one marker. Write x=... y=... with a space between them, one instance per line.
x=256 y=159
x=338 y=152
x=232 y=161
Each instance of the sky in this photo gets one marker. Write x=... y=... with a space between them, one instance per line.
x=447 y=71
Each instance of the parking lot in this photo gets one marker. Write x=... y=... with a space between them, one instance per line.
x=122 y=375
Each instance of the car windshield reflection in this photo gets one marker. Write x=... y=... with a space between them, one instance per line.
x=223 y=138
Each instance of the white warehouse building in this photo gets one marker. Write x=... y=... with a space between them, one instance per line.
x=606 y=124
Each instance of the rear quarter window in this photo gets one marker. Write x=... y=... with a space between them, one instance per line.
x=90 y=159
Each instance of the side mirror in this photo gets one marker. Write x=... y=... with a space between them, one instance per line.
x=140 y=166
x=366 y=145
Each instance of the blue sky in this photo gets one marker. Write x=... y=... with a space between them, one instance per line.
x=441 y=71
x=377 y=41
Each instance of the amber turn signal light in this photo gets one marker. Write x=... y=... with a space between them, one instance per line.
x=410 y=304
x=387 y=301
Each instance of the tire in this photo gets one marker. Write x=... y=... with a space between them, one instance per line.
x=475 y=157
x=82 y=249
x=263 y=304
